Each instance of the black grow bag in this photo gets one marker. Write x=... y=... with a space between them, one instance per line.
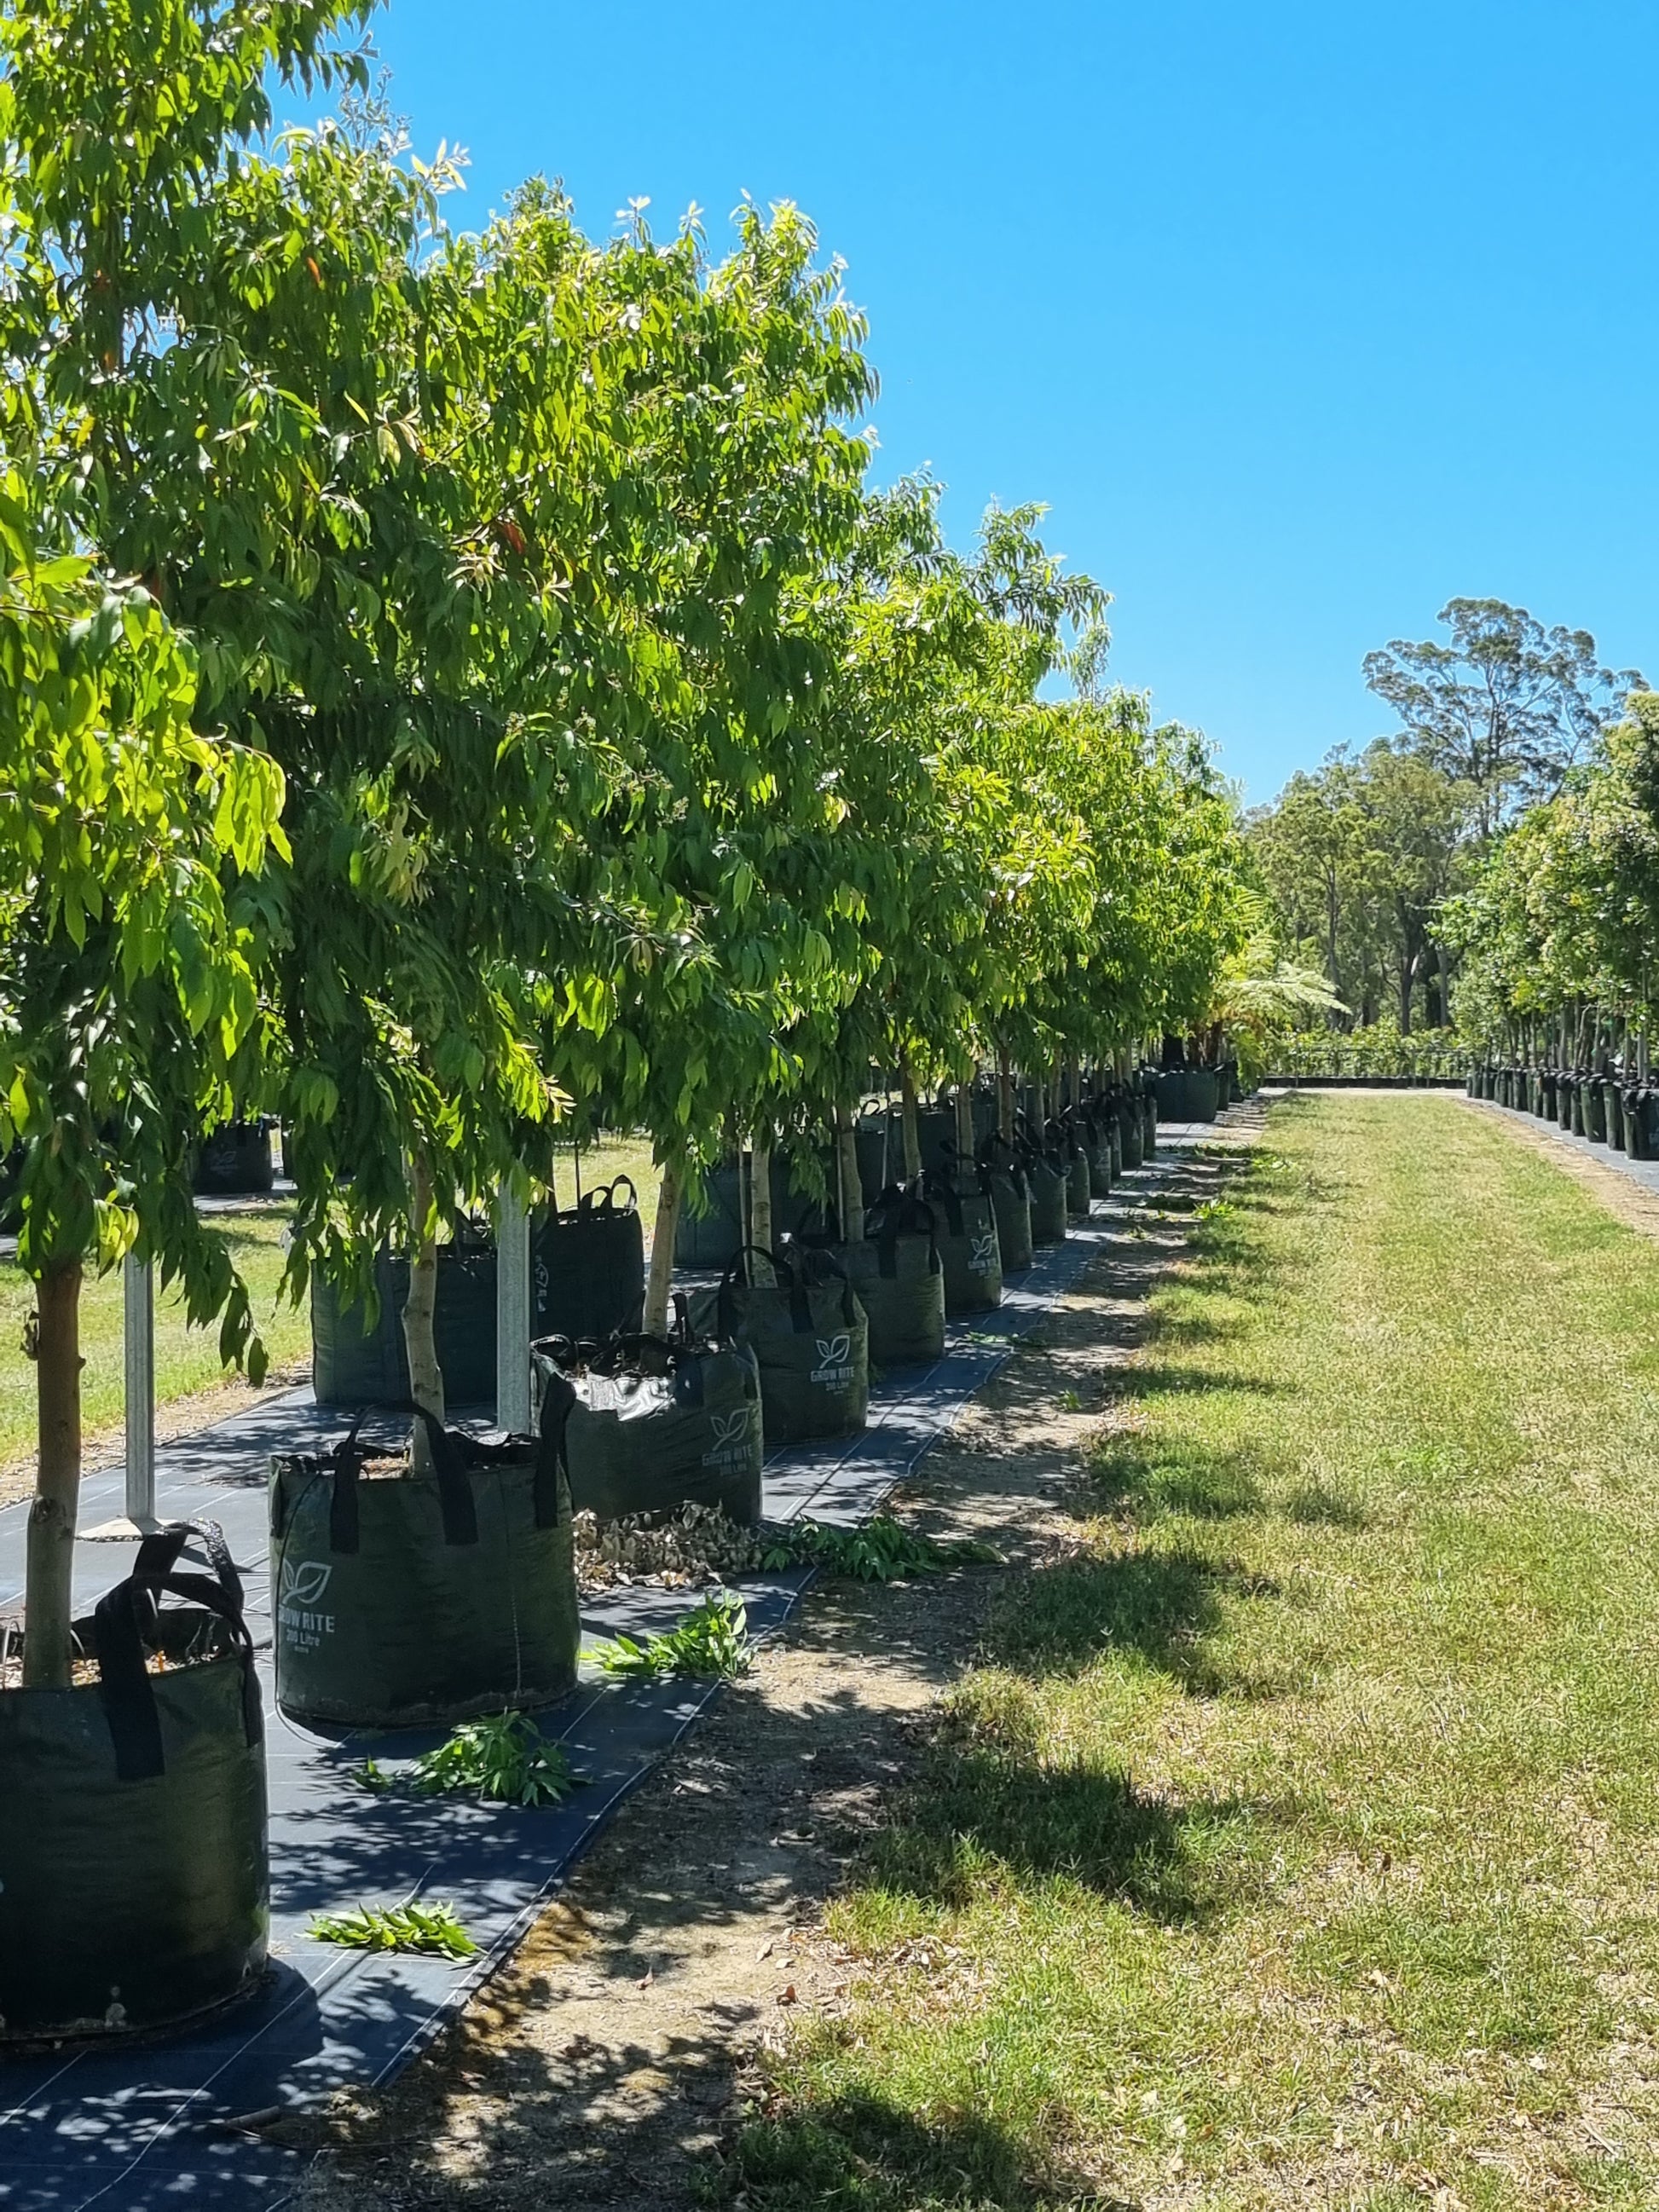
x=1131 y=1131
x=1097 y=1118
x=1046 y=1177
x=659 y=1422
x=1613 y=1105
x=710 y=1225
x=899 y=1278
x=587 y=1266
x=236 y=1161
x=1066 y=1143
x=966 y=1233
x=413 y=1599
x=1594 y=1111
x=1011 y=1202
x=1188 y=1094
x=353 y=1365
x=1637 y=1140
x=810 y=1338
x=134 y=1889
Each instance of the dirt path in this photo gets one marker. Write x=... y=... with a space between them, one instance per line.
x=605 y=2065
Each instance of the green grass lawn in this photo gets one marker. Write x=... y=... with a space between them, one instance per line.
x=187 y=1359
x=1296 y=1844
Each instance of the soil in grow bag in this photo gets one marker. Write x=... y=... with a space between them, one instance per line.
x=966 y=1233
x=136 y=1893
x=406 y=1599
x=899 y=1278
x=353 y=1365
x=659 y=1422
x=236 y=1161
x=1011 y=1201
x=587 y=1265
x=809 y=1335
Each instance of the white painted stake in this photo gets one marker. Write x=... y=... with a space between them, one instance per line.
x=511 y=1313
x=138 y=1410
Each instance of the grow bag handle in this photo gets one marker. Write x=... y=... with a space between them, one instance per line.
x=914 y=1216
x=456 y=1503
x=125 y=1618
x=942 y=1191
x=800 y=1313
x=601 y=1203
x=552 y=1457
x=1014 y=1168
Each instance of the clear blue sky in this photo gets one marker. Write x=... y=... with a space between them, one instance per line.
x=1301 y=317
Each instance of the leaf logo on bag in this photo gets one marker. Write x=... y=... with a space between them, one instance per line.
x=835 y=1369
x=304 y=1583
x=301 y=1627
x=983 y=1254
x=732 y=1440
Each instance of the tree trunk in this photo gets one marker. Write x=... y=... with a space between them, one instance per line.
x=50 y=1546
x=760 y=1197
x=426 y=1380
x=1005 y=1095
x=670 y=1192
x=851 y=1191
x=909 y=1122
x=965 y=1102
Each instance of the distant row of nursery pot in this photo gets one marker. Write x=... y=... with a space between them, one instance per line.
x=1610 y=1107
x=415 y=1591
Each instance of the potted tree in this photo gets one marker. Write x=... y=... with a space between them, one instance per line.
x=132 y=1801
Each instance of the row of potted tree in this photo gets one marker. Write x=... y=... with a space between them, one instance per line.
x=1559 y=939
x=445 y=679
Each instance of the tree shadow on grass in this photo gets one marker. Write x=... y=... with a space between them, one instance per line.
x=1174 y=1478
x=1145 y=1378
x=1162 y=1606
x=979 y=1803
x=1316 y=1506
x=864 y=2153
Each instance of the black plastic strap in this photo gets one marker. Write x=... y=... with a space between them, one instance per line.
x=343 y=1506
x=457 y=1506
x=942 y=1191
x=558 y=1397
x=125 y=1618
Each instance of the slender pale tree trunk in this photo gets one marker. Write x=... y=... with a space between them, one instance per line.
x=1005 y=1094
x=670 y=1194
x=50 y=1544
x=964 y=1104
x=760 y=1194
x=851 y=1187
x=910 y=1123
x=426 y=1377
